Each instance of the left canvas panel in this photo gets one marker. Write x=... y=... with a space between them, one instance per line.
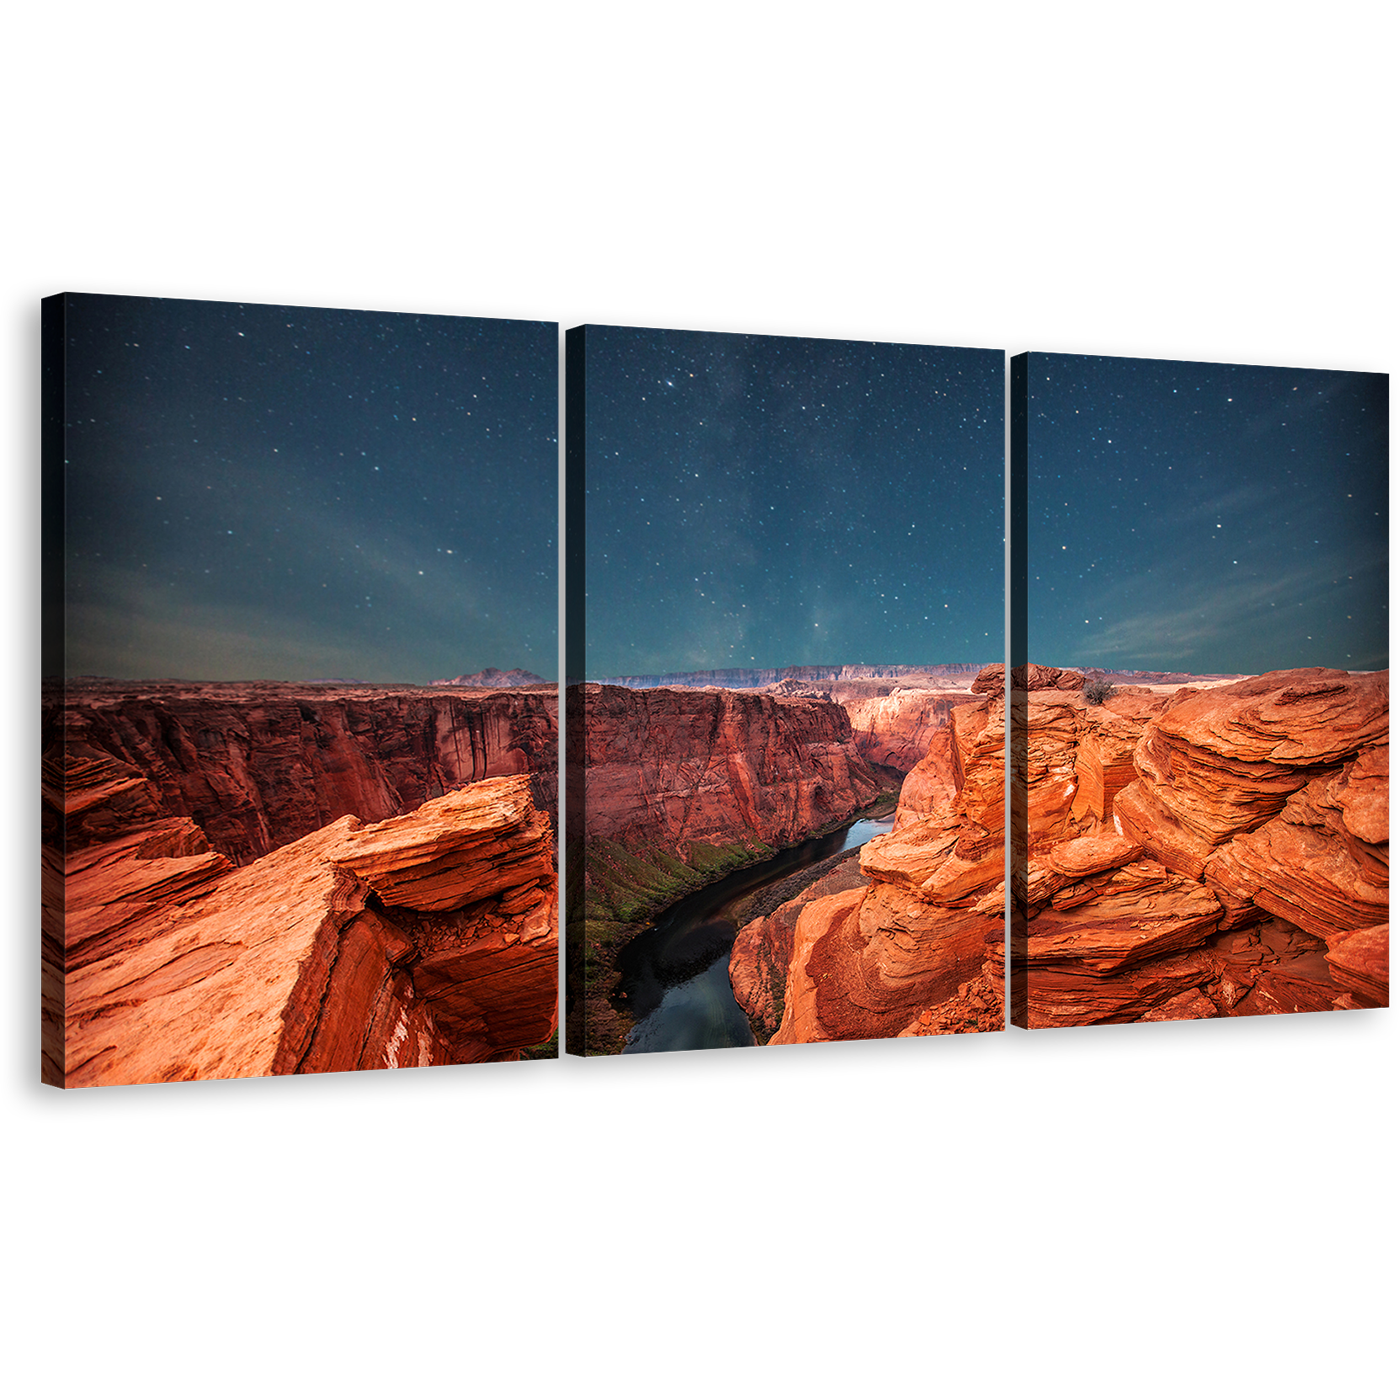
x=296 y=815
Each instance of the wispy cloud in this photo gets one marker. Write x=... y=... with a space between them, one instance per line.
x=1201 y=615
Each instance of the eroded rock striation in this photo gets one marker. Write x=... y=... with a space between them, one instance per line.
x=897 y=730
x=428 y=938
x=678 y=769
x=914 y=948
x=256 y=765
x=1198 y=853
x=1212 y=852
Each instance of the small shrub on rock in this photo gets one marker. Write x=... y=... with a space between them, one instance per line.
x=1096 y=691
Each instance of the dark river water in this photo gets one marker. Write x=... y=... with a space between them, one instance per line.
x=674 y=977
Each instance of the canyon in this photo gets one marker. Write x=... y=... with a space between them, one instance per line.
x=671 y=788
x=267 y=879
x=1184 y=852
x=258 y=764
x=675 y=769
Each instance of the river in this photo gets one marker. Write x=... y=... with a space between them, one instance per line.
x=674 y=976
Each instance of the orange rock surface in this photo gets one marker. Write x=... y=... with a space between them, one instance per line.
x=429 y=938
x=896 y=730
x=1243 y=869
x=909 y=953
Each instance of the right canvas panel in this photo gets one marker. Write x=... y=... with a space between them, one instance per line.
x=1200 y=697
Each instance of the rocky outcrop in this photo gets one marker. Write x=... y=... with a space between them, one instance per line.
x=991 y=680
x=1209 y=853
x=762 y=952
x=673 y=770
x=1199 y=853
x=932 y=782
x=429 y=938
x=911 y=951
x=258 y=765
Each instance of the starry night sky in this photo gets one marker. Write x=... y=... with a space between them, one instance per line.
x=773 y=501
x=269 y=492
x=1205 y=517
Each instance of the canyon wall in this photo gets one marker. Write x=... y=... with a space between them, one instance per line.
x=1218 y=852
x=675 y=769
x=897 y=730
x=428 y=938
x=915 y=947
x=1208 y=852
x=256 y=765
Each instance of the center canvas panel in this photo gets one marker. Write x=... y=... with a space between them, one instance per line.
x=784 y=809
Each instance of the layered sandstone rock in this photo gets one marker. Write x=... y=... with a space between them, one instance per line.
x=426 y=939
x=762 y=952
x=991 y=680
x=256 y=765
x=932 y=782
x=897 y=730
x=910 y=953
x=1242 y=868
x=674 y=769
x=1188 y=854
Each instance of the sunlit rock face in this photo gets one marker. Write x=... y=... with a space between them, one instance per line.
x=1200 y=853
x=896 y=730
x=1209 y=852
x=915 y=949
x=428 y=938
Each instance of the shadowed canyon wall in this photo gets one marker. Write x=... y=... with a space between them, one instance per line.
x=258 y=765
x=673 y=769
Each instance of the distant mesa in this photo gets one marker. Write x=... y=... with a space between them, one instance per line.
x=494 y=679
x=753 y=678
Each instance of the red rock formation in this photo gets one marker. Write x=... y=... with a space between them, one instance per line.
x=429 y=938
x=670 y=769
x=1360 y=962
x=991 y=680
x=912 y=952
x=932 y=783
x=762 y=952
x=897 y=730
x=1199 y=854
x=1242 y=868
x=258 y=765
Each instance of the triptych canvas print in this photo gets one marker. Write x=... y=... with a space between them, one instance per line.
x=302 y=741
